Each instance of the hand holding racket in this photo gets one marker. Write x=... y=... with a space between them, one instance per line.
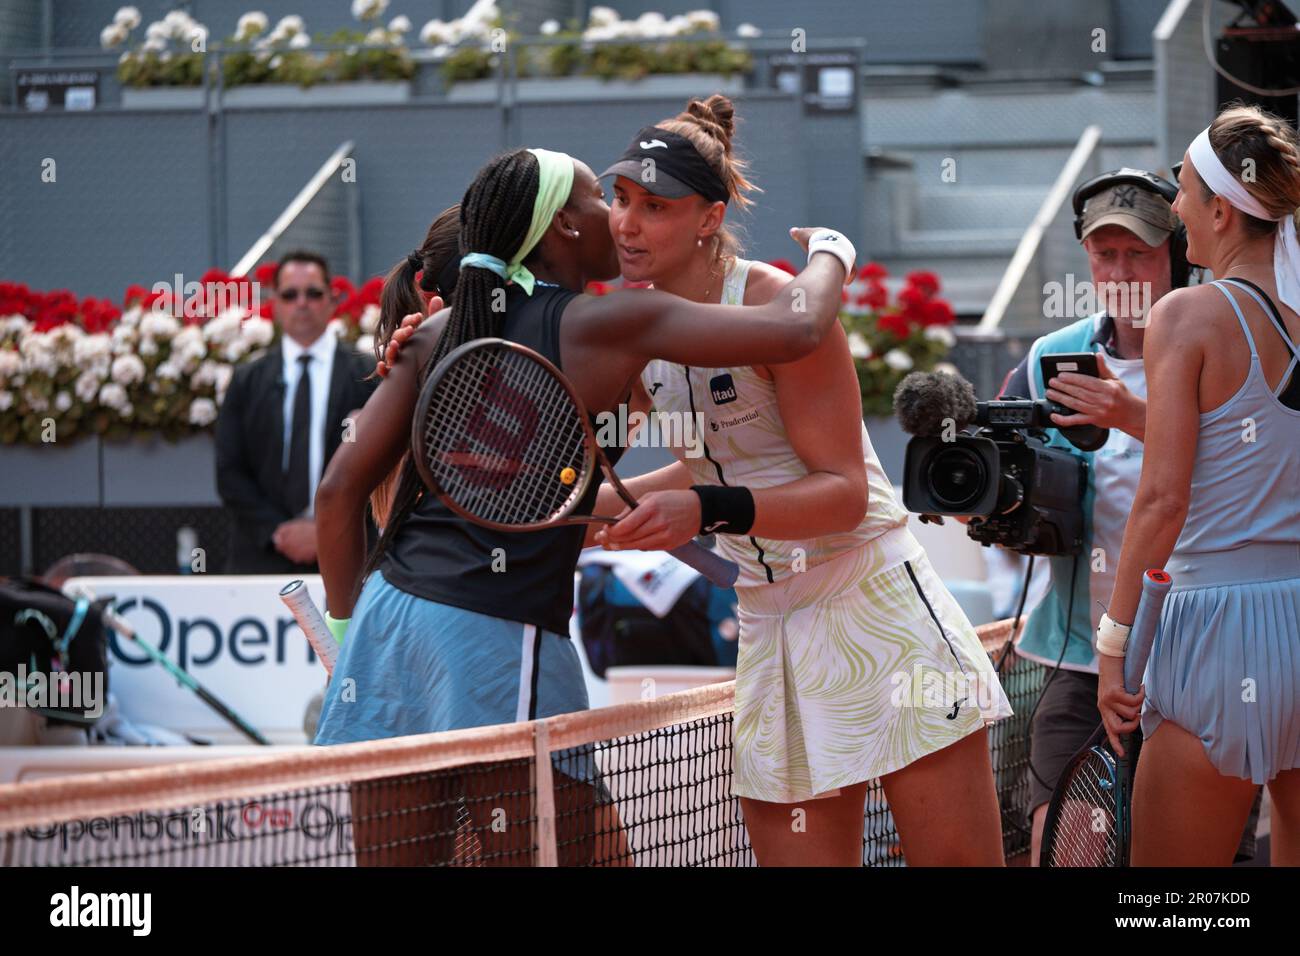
x=1088 y=818
x=502 y=438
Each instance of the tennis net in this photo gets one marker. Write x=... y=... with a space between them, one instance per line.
x=640 y=784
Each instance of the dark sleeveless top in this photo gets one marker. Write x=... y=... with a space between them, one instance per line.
x=441 y=557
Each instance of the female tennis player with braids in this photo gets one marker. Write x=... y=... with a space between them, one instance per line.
x=838 y=611
x=1217 y=507
x=458 y=626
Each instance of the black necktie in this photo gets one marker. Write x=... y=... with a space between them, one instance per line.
x=297 y=480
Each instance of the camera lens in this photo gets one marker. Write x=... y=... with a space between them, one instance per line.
x=957 y=478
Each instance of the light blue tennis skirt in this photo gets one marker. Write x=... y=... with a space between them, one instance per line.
x=1225 y=664
x=414 y=666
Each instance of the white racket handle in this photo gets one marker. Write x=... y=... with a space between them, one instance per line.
x=716 y=568
x=304 y=611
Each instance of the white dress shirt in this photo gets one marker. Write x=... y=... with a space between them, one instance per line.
x=322 y=368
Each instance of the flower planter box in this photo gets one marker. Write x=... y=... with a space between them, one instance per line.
x=153 y=471
x=60 y=473
x=365 y=93
x=163 y=98
x=531 y=89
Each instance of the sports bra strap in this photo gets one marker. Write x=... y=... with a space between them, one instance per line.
x=1250 y=340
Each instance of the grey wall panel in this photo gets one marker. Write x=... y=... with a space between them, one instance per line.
x=21 y=22
x=411 y=162
x=129 y=203
x=768 y=137
x=1134 y=21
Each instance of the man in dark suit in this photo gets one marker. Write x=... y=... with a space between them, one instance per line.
x=281 y=421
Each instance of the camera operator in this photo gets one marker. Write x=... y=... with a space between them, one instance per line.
x=1127 y=228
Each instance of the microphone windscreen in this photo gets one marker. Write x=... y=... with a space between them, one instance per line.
x=924 y=401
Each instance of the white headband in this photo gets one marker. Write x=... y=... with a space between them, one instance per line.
x=1286 y=247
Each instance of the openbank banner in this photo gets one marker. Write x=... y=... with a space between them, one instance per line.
x=233 y=633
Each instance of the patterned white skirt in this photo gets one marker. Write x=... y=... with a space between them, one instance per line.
x=847 y=672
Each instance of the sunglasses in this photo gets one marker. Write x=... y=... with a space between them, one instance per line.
x=313 y=293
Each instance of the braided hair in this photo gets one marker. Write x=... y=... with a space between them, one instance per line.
x=494 y=219
x=1249 y=137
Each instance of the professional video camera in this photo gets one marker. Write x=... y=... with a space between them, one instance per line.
x=1019 y=492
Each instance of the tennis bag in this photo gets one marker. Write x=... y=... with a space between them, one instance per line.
x=42 y=632
x=618 y=630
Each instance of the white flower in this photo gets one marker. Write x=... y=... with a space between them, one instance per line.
x=433 y=33
x=368 y=9
x=157 y=31
x=290 y=26
x=221 y=377
x=6 y=400
x=147 y=346
x=154 y=45
x=369 y=320
x=703 y=20
x=203 y=411
x=87 y=386
x=123 y=337
x=14 y=326
x=235 y=350
x=858 y=346
x=62 y=402
x=36 y=402
x=365 y=344
x=125 y=57
x=939 y=333
x=550 y=28
x=159 y=325
x=168 y=370
x=132 y=316
x=377 y=37
x=205 y=375
x=10 y=363
x=677 y=26
x=652 y=24
x=898 y=360
x=90 y=348
x=127 y=17
x=251 y=24
x=125 y=410
x=602 y=17
x=178 y=24
x=224 y=328
x=336 y=326
x=947 y=368
x=748 y=30
x=112 y=35
x=112 y=395
x=127 y=369
x=257 y=331
x=300 y=41
x=400 y=24
x=276 y=61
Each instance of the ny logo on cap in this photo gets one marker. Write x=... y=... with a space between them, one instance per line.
x=1125 y=196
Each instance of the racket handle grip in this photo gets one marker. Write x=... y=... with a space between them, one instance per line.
x=304 y=611
x=1155 y=586
x=717 y=569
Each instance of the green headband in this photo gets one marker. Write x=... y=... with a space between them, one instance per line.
x=554 y=183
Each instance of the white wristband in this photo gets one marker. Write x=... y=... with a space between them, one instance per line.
x=838 y=245
x=1112 y=637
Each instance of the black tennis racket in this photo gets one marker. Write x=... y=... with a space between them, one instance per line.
x=1089 y=820
x=502 y=438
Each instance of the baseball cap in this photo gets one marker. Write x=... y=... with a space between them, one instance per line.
x=667 y=164
x=1142 y=212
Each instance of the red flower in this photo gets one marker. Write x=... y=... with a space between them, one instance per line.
x=872 y=271
x=785 y=265
x=214 y=275
x=938 y=312
x=264 y=275
x=894 y=323
x=925 y=282
x=342 y=287
x=133 y=294
x=913 y=302
x=876 y=296
x=371 y=291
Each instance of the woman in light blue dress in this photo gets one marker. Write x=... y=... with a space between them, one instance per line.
x=1218 y=507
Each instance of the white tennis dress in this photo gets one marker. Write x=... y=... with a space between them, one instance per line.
x=854 y=659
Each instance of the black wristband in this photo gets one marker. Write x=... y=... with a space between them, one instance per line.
x=725 y=510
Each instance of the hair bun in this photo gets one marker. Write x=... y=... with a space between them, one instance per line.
x=716 y=115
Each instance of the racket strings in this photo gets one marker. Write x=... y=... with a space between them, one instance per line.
x=1086 y=829
x=500 y=435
